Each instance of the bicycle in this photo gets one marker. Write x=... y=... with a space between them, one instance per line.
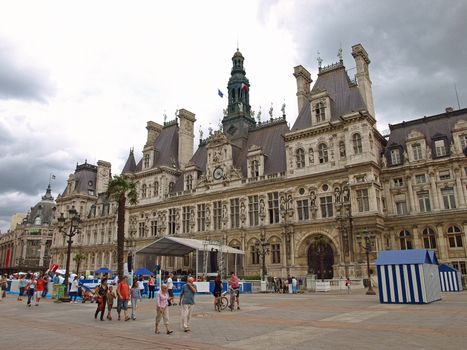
x=222 y=302
x=233 y=293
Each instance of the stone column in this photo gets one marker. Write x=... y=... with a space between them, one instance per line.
x=42 y=253
x=292 y=247
x=434 y=190
x=417 y=241
x=459 y=190
x=441 y=243
x=408 y=178
x=25 y=245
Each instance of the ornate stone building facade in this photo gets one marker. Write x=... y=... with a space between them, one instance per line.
x=332 y=175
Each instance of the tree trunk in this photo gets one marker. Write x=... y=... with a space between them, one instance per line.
x=120 y=234
x=77 y=267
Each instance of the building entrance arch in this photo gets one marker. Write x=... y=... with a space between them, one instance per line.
x=321 y=257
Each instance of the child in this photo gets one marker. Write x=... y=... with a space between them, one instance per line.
x=110 y=302
x=135 y=296
x=162 y=311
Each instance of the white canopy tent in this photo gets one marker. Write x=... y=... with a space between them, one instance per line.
x=176 y=246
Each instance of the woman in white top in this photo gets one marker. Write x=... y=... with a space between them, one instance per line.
x=74 y=290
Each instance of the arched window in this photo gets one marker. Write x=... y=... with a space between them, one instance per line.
x=300 y=158
x=156 y=188
x=323 y=153
x=320 y=112
x=455 y=237
x=189 y=182
x=38 y=221
x=429 y=238
x=254 y=168
x=405 y=240
x=342 y=149
x=357 y=143
x=143 y=191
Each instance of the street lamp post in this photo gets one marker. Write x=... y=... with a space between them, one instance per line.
x=262 y=249
x=74 y=221
x=367 y=249
x=342 y=198
x=286 y=212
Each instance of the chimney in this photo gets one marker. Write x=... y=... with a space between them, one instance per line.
x=103 y=176
x=449 y=109
x=154 y=130
x=186 y=137
x=363 y=76
x=304 y=80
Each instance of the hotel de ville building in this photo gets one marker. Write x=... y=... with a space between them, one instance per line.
x=330 y=178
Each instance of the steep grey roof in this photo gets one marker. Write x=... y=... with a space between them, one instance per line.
x=167 y=147
x=439 y=125
x=345 y=95
x=85 y=179
x=130 y=165
x=43 y=210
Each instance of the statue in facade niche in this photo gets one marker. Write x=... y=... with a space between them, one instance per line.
x=312 y=199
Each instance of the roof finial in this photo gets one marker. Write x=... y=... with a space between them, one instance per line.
x=319 y=59
x=339 y=53
x=165 y=116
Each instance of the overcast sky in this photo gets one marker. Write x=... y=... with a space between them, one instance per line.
x=79 y=80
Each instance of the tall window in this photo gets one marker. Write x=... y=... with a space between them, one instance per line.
x=300 y=158
x=153 y=228
x=273 y=207
x=401 y=207
x=217 y=213
x=156 y=188
x=254 y=255
x=189 y=182
x=357 y=143
x=448 y=198
x=172 y=221
x=440 y=148
x=235 y=213
x=420 y=178
x=326 y=206
x=362 y=200
x=202 y=217
x=303 y=210
x=254 y=168
x=424 y=201
x=460 y=266
x=463 y=140
x=417 y=151
x=253 y=210
x=276 y=253
x=320 y=112
x=146 y=161
x=186 y=218
x=395 y=157
x=405 y=240
x=323 y=153
x=429 y=238
x=143 y=191
x=141 y=230
x=398 y=182
x=455 y=237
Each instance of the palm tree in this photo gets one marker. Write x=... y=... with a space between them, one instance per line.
x=320 y=244
x=77 y=259
x=120 y=189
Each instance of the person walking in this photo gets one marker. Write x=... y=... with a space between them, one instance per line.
x=348 y=284
x=3 y=286
x=217 y=292
x=170 y=288
x=187 y=303
x=31 y=289
x=45 y=291
x=74 y=290
x=40 y=286
x=123 y=294
x=162 y=310
x=294 y=285
x=152 y=287
x=21 y=286
x=110 y=302
x=135 y=297
x=101 y=292
x=141 y=285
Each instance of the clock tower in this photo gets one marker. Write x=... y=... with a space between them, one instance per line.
x=238 y=118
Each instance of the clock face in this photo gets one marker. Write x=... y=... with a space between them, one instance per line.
x=217 y=174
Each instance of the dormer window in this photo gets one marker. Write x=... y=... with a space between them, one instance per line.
x=357 y=143
x=320 y=112
x=38 y=221
x=395 y=156
x=146 y=161
x=323 y=153
x=300 y=158
x=440 y=148
x=463 y=141
x=417 y=151
x=254 y=168
x=189 y=182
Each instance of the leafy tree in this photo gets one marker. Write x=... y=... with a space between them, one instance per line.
x=77 y=259
x=122 y=189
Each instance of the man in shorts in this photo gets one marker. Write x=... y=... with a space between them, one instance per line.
x=170 y=289
x=234 y=284
x=123 y=293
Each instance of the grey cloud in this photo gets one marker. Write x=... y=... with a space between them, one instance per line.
x=19 y=80
x=417 y=48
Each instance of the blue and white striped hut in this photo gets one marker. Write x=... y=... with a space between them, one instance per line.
x=408 y=276
x=450 y=279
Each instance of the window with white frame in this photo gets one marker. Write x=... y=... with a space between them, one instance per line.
x=454 y=237
x=156 y=188
x=146 y=161
x=253 y=210
x=141 y=229
x=444 y=174
x=273 y=207
x=357 y=143
x=189 y=182
x=448 y=198
x=460 y=266
x=254 y=168
x=275 y=253
x=429 y=238
x=405 y=240
x=235 y=213
x=300 y=158
x=326 y=206
x=323 y=153
x=440 y=148
x=320 y=112
x=463 y=141
x=303 y=210
x=186 y=219
x=417 y=151
x=202 y=217
x=217 y=214
x=362 y=200
x=424 y=201
x=420 y=178
x=398 y=182
x=401 y=207
x=395 y=156
x=172 y=221
x=154 y=228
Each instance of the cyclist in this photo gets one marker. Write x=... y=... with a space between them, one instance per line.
x=234 y=284
x=217 y=292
